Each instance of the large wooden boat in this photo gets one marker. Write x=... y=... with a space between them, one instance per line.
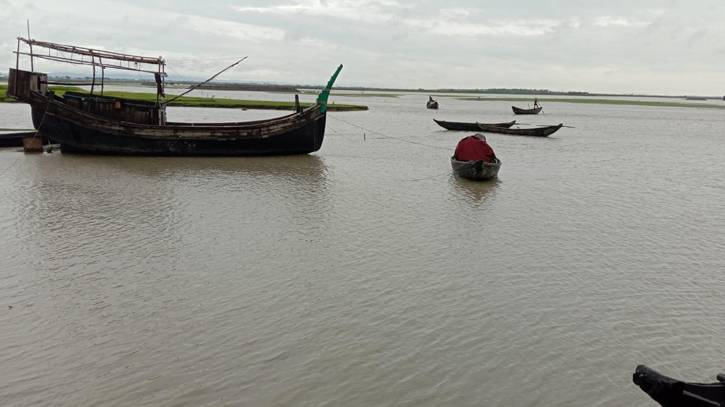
x=670 y=392
x=94 y=123
x=526 y=111
x=475 y=170
x=459 y=126
x=543 y=131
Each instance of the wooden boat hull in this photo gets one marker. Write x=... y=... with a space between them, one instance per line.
x=78 y=131
x=459 y=126
x=670 y=392
x=535 y=132
x=475 y=170
x=526 y=111
x=432 y=105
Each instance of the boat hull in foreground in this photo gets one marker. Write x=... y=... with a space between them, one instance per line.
x=670 y=392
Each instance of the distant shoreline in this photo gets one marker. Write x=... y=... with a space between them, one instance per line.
x=598 y=102
x=262 y=87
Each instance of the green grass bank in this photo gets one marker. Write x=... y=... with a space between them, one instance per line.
x=190 y=101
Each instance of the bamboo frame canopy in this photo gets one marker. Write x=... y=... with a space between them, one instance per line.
x=103 y=56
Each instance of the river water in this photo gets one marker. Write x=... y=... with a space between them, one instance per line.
x=365 y=274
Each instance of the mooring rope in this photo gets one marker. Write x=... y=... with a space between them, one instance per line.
x=33 y=139
x=390 y=137
x=399 y=139
x=337 y=132
x=432 y=176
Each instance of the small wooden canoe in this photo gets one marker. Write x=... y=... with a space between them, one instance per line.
x=526 y=111
x=432 y=105
x=459 y=126
x=544 y=131
x=475 y=170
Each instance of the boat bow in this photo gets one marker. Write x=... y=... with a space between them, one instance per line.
x=322 y=98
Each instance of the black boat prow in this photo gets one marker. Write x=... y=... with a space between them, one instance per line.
x=670 y=392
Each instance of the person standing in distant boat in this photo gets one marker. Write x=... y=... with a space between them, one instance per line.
x=430 y=99
x=536 y=103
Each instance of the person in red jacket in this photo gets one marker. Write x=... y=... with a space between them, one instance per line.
x=474 y=148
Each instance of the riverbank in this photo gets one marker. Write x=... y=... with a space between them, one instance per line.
x=600 y=102
x=189 y=101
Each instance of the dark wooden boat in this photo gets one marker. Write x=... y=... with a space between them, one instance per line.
x=526 y=111
x=475 y=170
x=432 y=105
x=543 y=131
x=94 y=123
x=459 y=126
x=670 y=392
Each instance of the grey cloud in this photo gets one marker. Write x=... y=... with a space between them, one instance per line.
x=544 y=44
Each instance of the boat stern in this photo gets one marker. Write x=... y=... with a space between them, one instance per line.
x=21 y=84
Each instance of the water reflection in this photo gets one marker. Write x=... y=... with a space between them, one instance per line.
x=299 y=166
x=101 y=205
x=474 y=191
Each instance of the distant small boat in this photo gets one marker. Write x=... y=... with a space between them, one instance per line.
x=671 y=392
x=537 y=131
x=459 y=126
x=475 y=170
x=526 y=111
x=432 y=105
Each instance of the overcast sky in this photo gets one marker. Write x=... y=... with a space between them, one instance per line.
x=645 y=46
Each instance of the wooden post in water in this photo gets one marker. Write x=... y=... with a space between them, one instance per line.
x=297 y=104
x=33 y=144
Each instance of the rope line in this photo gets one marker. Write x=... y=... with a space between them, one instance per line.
x=33 y=139
x=390 y=137
x=201 y=59
x=337 y=132
x=173 y=70
x=432 y=176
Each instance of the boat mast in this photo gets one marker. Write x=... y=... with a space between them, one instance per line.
x=17 y=63
x=113 y=60
x=93 y=85
x=31 y=48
